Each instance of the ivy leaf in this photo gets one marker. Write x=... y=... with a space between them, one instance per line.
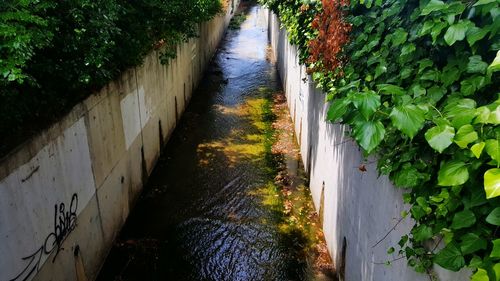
x=457 y=107
x=455 y=8
x=440 y=137
x=435 y=93
x=391 y=89
x=408 y=119
x=450 y=258
x=369 y=134
x=471 y=243
x=463 y=219
x=475 y=262
x=367 y=103
x=467 y=88
x=476 y=65
x=380 y=69
x=496 y=269
x=450 y=75
x=494 y=217
x=484 y=2
x=408 y=49
x=407 y=177
x=453 y=173
x=494 y=117
x=433 y=6
x=477 y=149
x=492 y=183
x=400 y=36
x=422 y=233
x=418 y=91
x=495 y=252
x=465 y=135
x=417 y=212
x=432 y=75
x=337 y=109
x=455 y=32
x=461 y=112
x=480 y=275
x=437 y=29
x=495 y=65
x=482 y=115
x=492 y=149
x=475 y=34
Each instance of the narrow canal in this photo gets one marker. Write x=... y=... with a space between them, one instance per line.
x=227 y=200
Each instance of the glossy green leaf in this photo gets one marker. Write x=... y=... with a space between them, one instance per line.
x=440 y=137
x=450 y=258
x=471 y=243
x=494 y=217
x=369 y=134
x=477 y=149
x=476 y=65
x=492 y=183
x=437 y=29
x=367 y=103
x=484 y=2
x=467 y=88
x=433 y=6
x=494 y=117
x=496 y=269
x=408 y=119
x=463 y=219
x=492 y=149
x=408 y=49
x=450 y=75
x=495 y=65
x=407 y=177
x=422 y=232
x=400 y=37
x=453 y=173
x=495 y=252
x=455 y=32
x=475 y=34
x=482 y=115
x=391 y=89
x=480 y=275
x=337 y=109
x=465 y=135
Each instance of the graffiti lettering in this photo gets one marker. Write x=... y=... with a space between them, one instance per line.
x=64 y=223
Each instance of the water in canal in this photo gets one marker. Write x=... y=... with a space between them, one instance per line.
x=222 y=202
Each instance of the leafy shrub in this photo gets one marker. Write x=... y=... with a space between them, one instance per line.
x=55 y=53
x=421 y=89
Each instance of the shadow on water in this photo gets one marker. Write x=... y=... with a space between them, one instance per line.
x=212 y=209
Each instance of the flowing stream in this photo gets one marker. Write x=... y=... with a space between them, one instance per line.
x=212 y=209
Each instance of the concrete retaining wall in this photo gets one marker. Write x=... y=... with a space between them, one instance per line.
x=65 y=194
x=358 y=208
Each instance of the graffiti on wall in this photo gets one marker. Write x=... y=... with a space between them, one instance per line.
x=64 y=223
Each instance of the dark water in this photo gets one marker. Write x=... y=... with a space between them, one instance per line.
x=204 y=215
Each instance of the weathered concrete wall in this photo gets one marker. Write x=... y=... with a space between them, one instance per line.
x=65 y=194
x=357 y=207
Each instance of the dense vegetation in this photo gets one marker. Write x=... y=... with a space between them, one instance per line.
x=54 y=53
x=418 y=83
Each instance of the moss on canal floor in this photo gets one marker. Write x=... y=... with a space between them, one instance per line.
x=287 y=193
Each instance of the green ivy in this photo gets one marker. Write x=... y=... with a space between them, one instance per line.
x=421 y=91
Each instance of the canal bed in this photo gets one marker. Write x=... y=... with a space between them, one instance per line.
x=228 y=198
